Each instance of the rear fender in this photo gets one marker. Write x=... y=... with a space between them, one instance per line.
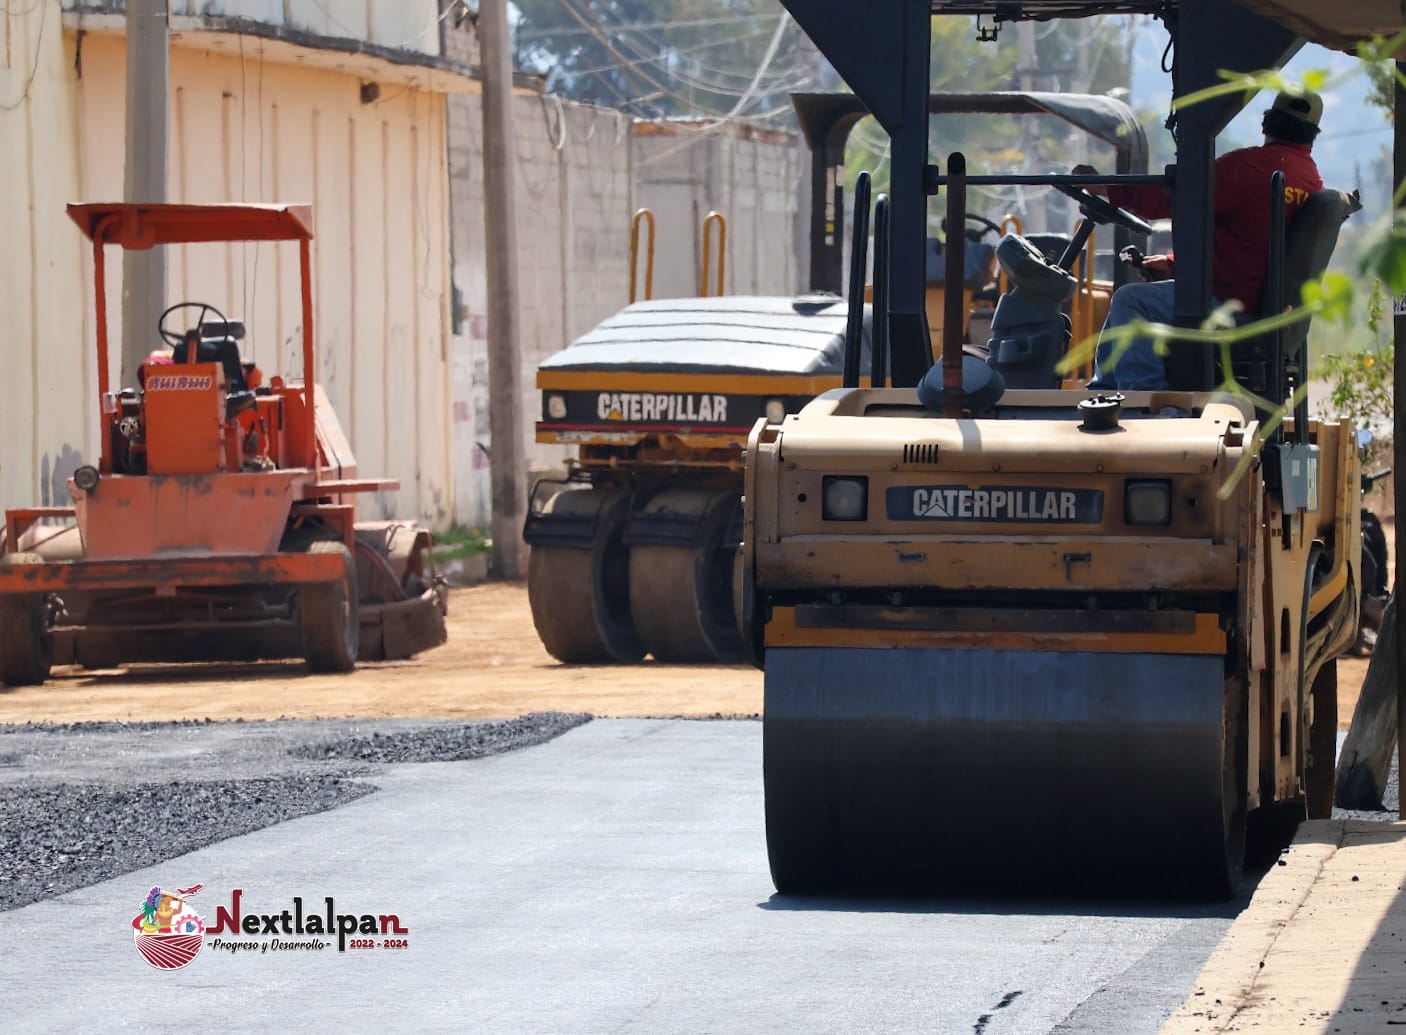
x=393 y=560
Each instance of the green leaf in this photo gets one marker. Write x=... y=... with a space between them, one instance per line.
x=1331 y=296
x=1315 y=79
x=1384 y=254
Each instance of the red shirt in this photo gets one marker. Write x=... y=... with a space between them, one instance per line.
x=1241 y=243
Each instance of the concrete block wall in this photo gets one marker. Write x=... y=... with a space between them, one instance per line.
x=582 y=171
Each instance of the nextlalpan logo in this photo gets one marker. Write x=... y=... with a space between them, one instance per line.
x=169 y=934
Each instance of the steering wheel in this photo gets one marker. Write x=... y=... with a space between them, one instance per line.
x=177 y=338
x=993 y=227
x=1101 y=210
x=986 y=224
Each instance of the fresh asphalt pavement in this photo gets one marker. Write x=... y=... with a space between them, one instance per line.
x=612 y=879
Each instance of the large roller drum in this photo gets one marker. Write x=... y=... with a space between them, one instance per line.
x=580 y=593
x=922 y=770
x=681 y=593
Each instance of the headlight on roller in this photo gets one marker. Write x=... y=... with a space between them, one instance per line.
x=1147 y=502
x=86 y=477
x=556 y=407
x=775 y=411
x=844 y=498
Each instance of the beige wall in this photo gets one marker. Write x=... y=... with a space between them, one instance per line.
x=573 y=202
x=758 y=182
x=248 y=130
x=47 y=411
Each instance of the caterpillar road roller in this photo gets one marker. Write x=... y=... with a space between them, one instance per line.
x=1017 y=636
x=633 y=546
x=219 y=522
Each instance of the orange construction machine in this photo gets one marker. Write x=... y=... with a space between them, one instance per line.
x=220 y=520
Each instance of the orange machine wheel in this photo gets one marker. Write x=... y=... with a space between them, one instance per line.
x=329 y=616
x=26 y=644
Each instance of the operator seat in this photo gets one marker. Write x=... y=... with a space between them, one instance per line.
x=1029 y=331
x=1308 y=246
x=219 y=343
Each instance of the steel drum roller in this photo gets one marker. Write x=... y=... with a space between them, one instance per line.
x=893 y=771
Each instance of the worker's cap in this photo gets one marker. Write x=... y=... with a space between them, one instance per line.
x=1306 y=106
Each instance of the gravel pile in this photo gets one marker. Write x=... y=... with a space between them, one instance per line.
x=446 y=743
x=1391 y=797
x=61 y=837
x=85 y=802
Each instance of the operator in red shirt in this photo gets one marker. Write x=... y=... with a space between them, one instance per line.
x=1241 y=256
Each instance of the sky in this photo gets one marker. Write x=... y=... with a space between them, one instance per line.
x=1354 y=133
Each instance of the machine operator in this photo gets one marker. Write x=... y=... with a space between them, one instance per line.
x=1241 y=240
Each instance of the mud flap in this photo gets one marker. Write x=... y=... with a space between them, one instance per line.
x=893 y=771
x=401 y=628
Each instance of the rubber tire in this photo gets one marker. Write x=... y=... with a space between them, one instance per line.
x=329 y=615
x=97 y=651
x=1375 y=558
x=26 y=645
x=1235 y=761
x=580 y=597
x=1320 y=776
x=682 y=596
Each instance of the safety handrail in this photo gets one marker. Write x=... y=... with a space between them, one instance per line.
x=1010 y=223
x=644 y=215
x=711 y=219
x=1274 y=302
x=858 y=260
x=954 y=299
x=1081 y=308
x=879 y=336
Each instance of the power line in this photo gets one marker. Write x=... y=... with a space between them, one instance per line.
x=722 y=42
x=761 y=69
x=38 y=57
x=662 y=51
x=600 y=37
x=545 y=33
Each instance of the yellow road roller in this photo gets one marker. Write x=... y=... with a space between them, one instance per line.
x=1017 y=636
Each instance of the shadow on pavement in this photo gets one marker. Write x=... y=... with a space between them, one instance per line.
x=1375 y=998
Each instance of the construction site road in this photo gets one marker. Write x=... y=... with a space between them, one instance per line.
x=612 y=879
x=493 y=666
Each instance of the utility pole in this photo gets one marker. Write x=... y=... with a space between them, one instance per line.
x=1398 y=394
x=506 y=450
x=148 y=79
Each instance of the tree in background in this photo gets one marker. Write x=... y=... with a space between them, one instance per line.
x=1080 y=56
x=668 y=58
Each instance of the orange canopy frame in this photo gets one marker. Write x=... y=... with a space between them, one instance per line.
x=138 y=226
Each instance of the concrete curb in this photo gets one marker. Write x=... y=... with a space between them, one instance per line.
x=1322 y=945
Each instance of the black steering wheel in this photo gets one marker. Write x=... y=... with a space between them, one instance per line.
x=992 y=227
x=1101 y=210
x=177 y=338
x=986 y=224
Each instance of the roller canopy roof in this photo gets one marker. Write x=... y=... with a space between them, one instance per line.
x=736 y=334
x=1106 y=118
x=144 y=225
x=1338 y=24
x=1333 y=23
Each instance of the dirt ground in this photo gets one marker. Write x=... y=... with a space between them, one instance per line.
x=492 y=666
